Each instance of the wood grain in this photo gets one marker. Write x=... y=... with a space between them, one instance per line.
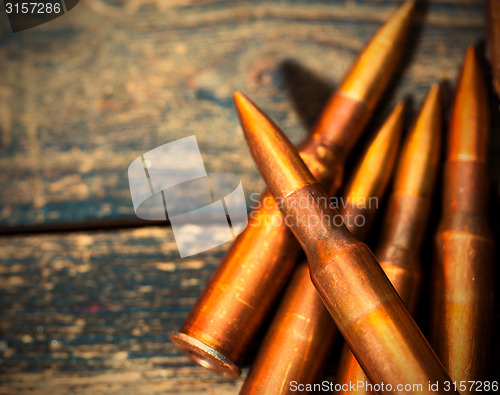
x=91 y=312
x=84 y=95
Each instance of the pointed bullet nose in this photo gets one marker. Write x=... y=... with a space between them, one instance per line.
x=469 y=127
x=419 y=160
x=395 y=122
x=257 y=127
x=433 y=95
x=373 y=174
x=246 y=111
x=243 y=104
x=238 y=98
x=405 y=11
x=430 y=113
x=470 y=58
x=376 y=64
x=401 y=19
x=276 y=158
x=388 y=138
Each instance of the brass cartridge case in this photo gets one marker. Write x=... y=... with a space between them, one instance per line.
x=353 y=287
x=464 y=248
x=223 y=322
x=299 y=340
x=405 y=222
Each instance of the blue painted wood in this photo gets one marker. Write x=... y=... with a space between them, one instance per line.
x=84 y=95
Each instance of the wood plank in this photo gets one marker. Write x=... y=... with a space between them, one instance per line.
x=84 y=95
x=89 y=313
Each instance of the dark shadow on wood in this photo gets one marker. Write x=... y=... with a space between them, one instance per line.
x=414 y=38
x=80 y=226
x=308 y=92
x=422 y=314
x=389 y=98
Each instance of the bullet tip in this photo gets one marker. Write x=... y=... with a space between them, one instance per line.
x=436 y=86
x=409 y=6
x=276 y=158
x=420 y=157
x=471 y=51
x=399 y=107
x=242 y=103
x=239 y=98
x=433 y=96
x=374 y=171
x=470 y=122
x=366 y=84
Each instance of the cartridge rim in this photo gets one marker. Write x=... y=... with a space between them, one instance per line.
x=204 y=355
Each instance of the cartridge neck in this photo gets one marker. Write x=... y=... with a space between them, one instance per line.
x=405 y=223
x=358 y=217
x=465 y=188
x=341 y=123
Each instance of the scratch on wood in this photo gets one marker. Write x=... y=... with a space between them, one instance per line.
x=31 y=123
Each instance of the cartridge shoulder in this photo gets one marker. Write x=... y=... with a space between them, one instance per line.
x=465 y=225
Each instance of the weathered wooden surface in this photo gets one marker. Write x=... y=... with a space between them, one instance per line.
x=91 y=313
x=83 y=95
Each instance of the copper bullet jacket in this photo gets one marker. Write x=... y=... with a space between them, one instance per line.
x=299 y=340
x=221 y=326
x=376 y=62
x=364 y=305
x=297 y=343
x=217 y=332
x=405 y=221
x=464 y=247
